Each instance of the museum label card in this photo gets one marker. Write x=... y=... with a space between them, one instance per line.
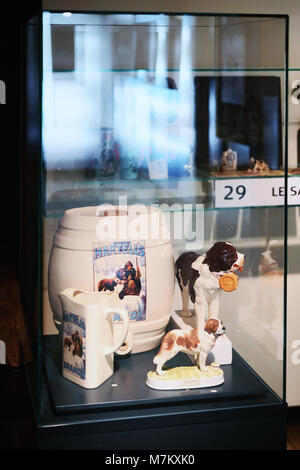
x=256 y=192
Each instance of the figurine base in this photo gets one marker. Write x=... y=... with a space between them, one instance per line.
x=185 y=377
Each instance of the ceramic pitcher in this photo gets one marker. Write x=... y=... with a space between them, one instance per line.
x=87 y=332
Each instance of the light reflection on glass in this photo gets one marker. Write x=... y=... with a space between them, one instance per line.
x=151 y=114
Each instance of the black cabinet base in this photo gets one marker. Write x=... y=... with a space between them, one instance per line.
x=190 y=420
x=255 y=424
x=265 y=433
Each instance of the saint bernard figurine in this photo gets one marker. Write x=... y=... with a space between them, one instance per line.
x=197 y=342
x=202 y=277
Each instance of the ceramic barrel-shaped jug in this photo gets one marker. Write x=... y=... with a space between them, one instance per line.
x=120 y=250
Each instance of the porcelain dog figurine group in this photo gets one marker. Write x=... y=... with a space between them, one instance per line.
x=200 y=280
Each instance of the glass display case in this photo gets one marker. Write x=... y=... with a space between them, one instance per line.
x=158 y=141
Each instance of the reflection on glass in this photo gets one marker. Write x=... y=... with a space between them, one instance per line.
x=172 y=112
x=150 y=109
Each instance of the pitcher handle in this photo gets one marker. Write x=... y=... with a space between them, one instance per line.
x=124 y=315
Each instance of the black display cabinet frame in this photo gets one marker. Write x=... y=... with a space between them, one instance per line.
x=185 y=421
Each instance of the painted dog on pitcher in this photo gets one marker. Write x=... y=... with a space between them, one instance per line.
x=198 y=278
x=196 y=342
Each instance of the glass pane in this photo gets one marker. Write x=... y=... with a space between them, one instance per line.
x=160 y=110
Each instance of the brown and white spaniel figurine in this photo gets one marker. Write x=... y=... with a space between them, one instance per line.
x=198 y=278
x=197 y=342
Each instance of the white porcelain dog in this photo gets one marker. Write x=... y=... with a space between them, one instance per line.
x=197 y=342
x=198 y=278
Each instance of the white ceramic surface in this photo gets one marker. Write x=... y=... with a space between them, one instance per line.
x=75 y=261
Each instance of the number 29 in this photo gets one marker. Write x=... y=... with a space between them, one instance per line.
x=240 y=190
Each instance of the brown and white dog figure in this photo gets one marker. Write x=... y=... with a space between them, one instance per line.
x=197 y=342
x=198 y=278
